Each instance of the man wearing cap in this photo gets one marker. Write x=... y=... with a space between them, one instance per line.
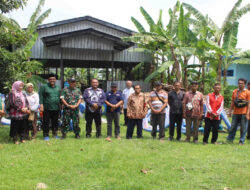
x=49 y=99
x=94 y=98
x=71 y=98
x=125 y=94
x=158 y=102
x=193 y=111
x=113 y=100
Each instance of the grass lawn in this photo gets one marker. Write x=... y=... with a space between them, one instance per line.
x=97 y=164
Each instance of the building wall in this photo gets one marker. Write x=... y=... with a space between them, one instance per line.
x=240 y=71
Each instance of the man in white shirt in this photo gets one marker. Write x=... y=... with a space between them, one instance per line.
x=125 y=94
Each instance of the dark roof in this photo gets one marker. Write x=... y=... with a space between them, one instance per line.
x=54 y=40
x=87 y=18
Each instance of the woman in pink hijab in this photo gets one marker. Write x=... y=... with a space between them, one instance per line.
x=19 y=112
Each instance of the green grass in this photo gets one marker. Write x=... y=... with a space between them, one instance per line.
x=97 y=164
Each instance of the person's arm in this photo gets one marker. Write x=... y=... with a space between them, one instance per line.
x=87 y=98
x=218 y=112
x=129 y=107
x=165 y=103
x=2 y=111
x=201 y=107
x=184 y=106
x=41 y=92
x=231 y=106
x=102 y=99
x=209 y=109
x=248 y=112
x=36 y=104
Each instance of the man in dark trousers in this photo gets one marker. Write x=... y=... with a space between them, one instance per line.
x=49 y=96
x=158 y=101
x=94 y=98
x=114 y=101
x=175 y=98
x=214 y=105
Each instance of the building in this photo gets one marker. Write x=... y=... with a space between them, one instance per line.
x=86 y=42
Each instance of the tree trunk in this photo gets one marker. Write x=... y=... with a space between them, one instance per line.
x=162 y=74
x=225 y=77
x=169 y=77
x=176 y=65
x=203 y=76
x=219 y=69
x=185 y=81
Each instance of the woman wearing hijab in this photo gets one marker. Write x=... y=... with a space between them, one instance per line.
x=19 y=112
x=33 y=99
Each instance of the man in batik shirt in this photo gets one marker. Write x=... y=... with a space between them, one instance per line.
x=71 y=98
x=136 y=111
x=193 y=111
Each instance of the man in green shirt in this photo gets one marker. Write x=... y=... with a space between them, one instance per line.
x=71 y=98
x=49 y=96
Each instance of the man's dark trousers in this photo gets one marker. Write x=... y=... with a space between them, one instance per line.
x=175 y=119
x=89 y=116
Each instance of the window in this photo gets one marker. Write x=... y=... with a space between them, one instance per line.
x=230 y=73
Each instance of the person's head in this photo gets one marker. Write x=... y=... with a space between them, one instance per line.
x=242 y=83
x=29 y=87
x=129 y=84
x=158 y=86
x=194 y=86
x=94 y=83
x=177 y=85
x=113 y=87
x=137 y=89
x=248 y=85
x=52 y=79
x=72 y=82
x=217 y=88
x=17 y=86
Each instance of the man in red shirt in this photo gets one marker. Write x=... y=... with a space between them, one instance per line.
x=214 y=105
x=239 y=105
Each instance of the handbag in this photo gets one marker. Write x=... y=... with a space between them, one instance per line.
x=240 y=103
x=31 y=116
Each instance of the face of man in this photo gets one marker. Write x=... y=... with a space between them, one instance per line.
x=217 y=89
x=52 y=81
x=72 y=84
x=241 y=84
x=158 y=87
x=137 y=89
x=177 y=86
x=94 y=83
x=194 y=87
x=113 y=88
x=129 y=84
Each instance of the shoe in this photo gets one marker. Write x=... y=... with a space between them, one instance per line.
x=56 y=137
x=88 y=136
x=77 y=136
x=215 y=143
x=118 y=138
x=140 y=137
x=195 y=141
x=241 y=143
x=46 y=138
x=129 y=138
x=161 y=139
x=178 y=139
x=108 y=139
x=204 y=143
x=63 y=136
x=170 y=138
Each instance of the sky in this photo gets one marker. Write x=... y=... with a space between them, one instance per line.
x=119 y=12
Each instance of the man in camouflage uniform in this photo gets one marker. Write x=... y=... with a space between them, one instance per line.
x=71 y=99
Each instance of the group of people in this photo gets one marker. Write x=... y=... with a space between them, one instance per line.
x=23 y=108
